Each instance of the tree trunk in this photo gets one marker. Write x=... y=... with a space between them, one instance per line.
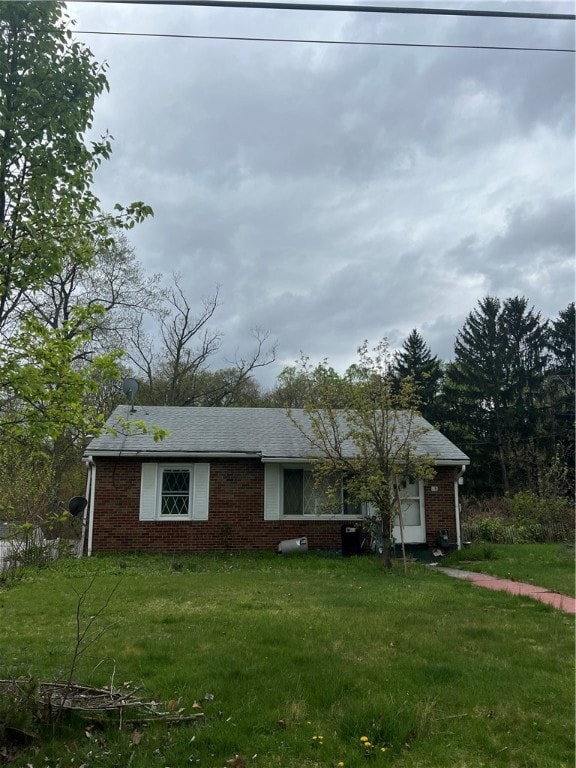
x=401 y=524
x=386 y=541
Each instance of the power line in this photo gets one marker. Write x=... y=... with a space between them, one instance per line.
x=348 y=8
x=324 y=42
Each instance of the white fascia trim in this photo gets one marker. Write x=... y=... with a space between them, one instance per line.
x=286 y=460
x=309 y=459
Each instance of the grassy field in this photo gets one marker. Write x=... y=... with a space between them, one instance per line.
x=545 y=565
x=293 y=660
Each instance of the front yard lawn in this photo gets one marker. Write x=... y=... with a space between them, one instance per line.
x=297 y=662
x=544 y=565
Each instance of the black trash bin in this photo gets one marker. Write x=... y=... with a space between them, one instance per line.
x=351 y=540
x=442 y=539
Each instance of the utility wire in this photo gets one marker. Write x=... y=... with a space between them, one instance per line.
x=348 y=8
x=324 y=42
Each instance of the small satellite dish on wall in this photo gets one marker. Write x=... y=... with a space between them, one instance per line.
x=77 y=505
x=130 y=388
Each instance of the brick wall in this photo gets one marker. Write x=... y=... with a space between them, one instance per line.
x=236 y=519
x=439 y=505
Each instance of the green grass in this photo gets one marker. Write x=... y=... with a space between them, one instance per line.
x=545 y=565
x=279 y=650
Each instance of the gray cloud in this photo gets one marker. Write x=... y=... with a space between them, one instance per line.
x=342 y=193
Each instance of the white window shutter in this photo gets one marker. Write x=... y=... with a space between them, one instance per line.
x=272 y=491
x=148 y=491
x=201 y=491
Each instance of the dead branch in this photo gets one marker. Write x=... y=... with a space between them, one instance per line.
x=53 y=696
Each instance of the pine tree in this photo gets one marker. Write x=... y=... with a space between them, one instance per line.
x=524 y=336
x=560 y=395
x=494 y=387
x=415 y=359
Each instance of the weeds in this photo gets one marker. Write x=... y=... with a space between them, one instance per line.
x=520 y=519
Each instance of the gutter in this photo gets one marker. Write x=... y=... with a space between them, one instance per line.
x=90 y=494
x=305 y=459
x=457 y=506
x=174 y=454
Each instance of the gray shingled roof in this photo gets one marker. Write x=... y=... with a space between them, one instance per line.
x=263 y=432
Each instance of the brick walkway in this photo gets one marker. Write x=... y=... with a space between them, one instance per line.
x=562 y=602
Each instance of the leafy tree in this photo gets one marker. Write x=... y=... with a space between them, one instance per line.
x=42 y=391
x=47 y=89
x=291 y=389
x=113 y=283
x=415 y=359
x=48 y=213
x=364 y=432
x=50 y=221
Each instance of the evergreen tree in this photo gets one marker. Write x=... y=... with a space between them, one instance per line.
x=524 y=337
x=562 y=342
x=493 y=392
x=473 y=391
x=560 y=394
x=415 y=359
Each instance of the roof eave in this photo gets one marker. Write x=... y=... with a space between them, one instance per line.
x=173 y=454
x=285 y=459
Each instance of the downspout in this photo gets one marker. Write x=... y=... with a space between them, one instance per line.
x=90 y=494
x=457 y=506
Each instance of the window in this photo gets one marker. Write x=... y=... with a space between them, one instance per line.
x=409 y=489
x=290 y=491
x=301 y=496
x=348 y=508
x=174 y=491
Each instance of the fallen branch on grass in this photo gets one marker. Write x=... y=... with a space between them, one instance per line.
x=55 y=697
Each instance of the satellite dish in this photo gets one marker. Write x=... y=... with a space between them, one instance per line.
x=77 y=505
x=130 y=388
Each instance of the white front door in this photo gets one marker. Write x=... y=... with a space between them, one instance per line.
x=412 y=496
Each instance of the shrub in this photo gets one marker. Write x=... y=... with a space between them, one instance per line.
x=520 y=519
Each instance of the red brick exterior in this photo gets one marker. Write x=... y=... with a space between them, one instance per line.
x=236 y=517
x=440 y=505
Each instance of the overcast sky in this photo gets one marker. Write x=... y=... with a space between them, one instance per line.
x=339 y=193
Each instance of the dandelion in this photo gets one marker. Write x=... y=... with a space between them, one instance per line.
x=340 y=764
x=383 y=749
x=363 y=738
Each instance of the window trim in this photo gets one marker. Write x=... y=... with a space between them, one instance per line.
x=159 y=495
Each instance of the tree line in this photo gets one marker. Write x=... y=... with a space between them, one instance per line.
x=506 y=397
